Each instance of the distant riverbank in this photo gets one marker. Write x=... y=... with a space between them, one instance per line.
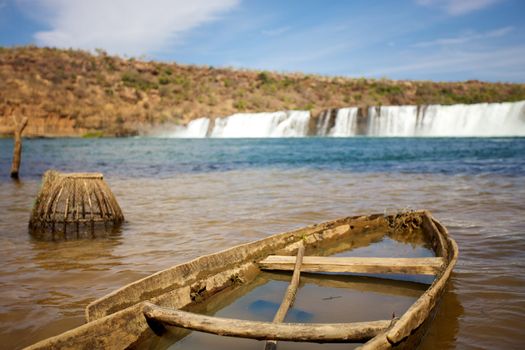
x=74 y=93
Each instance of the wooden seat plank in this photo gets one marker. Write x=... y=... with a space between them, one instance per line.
x=424 y=266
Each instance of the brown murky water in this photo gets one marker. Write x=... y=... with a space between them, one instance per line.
x=46 y=285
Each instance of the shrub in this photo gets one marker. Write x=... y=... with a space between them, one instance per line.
x=264 y=78
x=135 y=80
x=93 y=134
x=308 y=107
x=164 y=80
x=240 y=105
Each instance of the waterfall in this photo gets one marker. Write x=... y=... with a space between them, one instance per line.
x=196 y=128
x=482 y=119
x=392 y=121
x=345 y=123
x=323 y=123
x=276 y=124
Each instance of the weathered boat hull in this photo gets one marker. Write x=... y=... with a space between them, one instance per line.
x=116 y=321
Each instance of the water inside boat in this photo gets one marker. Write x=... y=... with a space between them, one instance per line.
x=320 y=298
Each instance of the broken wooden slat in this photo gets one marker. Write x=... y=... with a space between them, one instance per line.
x=424 y=266
x=300 y=332
x=289 y=297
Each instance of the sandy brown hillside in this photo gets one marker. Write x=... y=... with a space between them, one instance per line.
x=74 y=93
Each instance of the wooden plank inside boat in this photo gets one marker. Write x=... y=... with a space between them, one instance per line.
x=299 y=332
x=289 y=297
x=424 y=266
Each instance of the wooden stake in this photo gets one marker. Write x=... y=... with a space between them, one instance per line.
x=289 y=297
x=17 y=150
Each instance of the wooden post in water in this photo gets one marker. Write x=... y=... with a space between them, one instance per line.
x=17 y=149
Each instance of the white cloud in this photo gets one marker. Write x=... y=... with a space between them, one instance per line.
x=500 y=61
x=462 y=39
x=458 y=7
x=496 y=33
x=132 y=27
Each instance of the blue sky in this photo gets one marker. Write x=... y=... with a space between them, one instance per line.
x=413 y=39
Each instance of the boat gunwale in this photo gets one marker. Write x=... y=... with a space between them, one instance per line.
x=342 y=332
x=425 y=305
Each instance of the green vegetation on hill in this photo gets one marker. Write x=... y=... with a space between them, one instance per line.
x=70 y=92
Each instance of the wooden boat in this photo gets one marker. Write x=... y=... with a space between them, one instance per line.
x=131 y=315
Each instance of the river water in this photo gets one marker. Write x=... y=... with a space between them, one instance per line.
x=186 y=198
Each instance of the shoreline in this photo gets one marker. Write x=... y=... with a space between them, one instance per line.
x=353 y=121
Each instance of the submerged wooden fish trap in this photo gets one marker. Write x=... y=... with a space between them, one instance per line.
x=74 y=205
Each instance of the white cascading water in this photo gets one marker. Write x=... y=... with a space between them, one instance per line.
x=392 y=121
x=197 y=128
x=276 y=124
x=323 y=123
x=483 y=119
x=345 y=123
